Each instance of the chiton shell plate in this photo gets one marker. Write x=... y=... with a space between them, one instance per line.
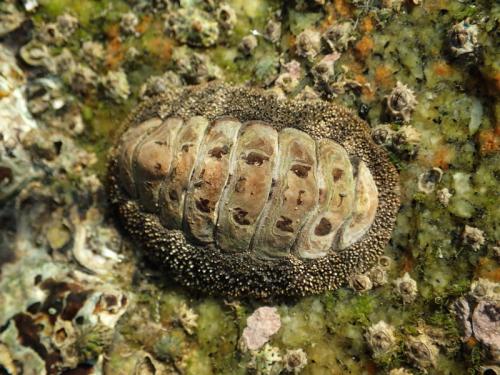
x=236 y=192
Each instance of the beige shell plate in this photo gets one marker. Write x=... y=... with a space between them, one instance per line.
x=248 y=187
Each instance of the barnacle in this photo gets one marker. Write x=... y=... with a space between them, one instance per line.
x=237 y=193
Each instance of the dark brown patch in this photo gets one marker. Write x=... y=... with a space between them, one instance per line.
x=299 y=197
x=28 y=336
x=284 y=224
x=337 y=174
x=173 y=195
x=203 y=205
x=240 y=185
x=74 y=302
x=254 y=158
x=219 y=152
x=239 y=216
x=323 y=228
x=5 y=174
x=301 y=171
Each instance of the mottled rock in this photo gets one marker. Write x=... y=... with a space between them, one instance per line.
x=261 y=325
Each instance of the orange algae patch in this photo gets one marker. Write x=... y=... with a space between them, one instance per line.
x=364 y=46
x=471 y=342
x=161 y=47
x=366 y=91
x=408 y=261
x=144 y=24
x=489 y=141
x=371 y=368
x=329 y=18
x=343 y=8
x=443 y=69
x=384 y=76
x=488 y=269
x=114 y=49
x=442 y=157
x=367 y=24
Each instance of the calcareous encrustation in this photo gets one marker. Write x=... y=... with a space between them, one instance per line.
x=236 y=192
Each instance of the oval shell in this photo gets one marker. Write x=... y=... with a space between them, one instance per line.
x=235 y=192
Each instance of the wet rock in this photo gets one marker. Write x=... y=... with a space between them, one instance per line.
x=473 y=237
x=406 y=288
x=261 y=325
x=45 y=94
x=486 y=325
x=67 y=305
x=15 y=162
x=462 y=311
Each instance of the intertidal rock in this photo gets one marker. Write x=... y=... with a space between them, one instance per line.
x=261 y=325
x=235 y=192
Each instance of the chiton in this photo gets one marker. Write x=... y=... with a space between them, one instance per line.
x=233 y=191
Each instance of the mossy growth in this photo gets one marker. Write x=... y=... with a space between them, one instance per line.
x=92 y=342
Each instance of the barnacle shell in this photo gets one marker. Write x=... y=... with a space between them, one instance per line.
x=237 y=193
